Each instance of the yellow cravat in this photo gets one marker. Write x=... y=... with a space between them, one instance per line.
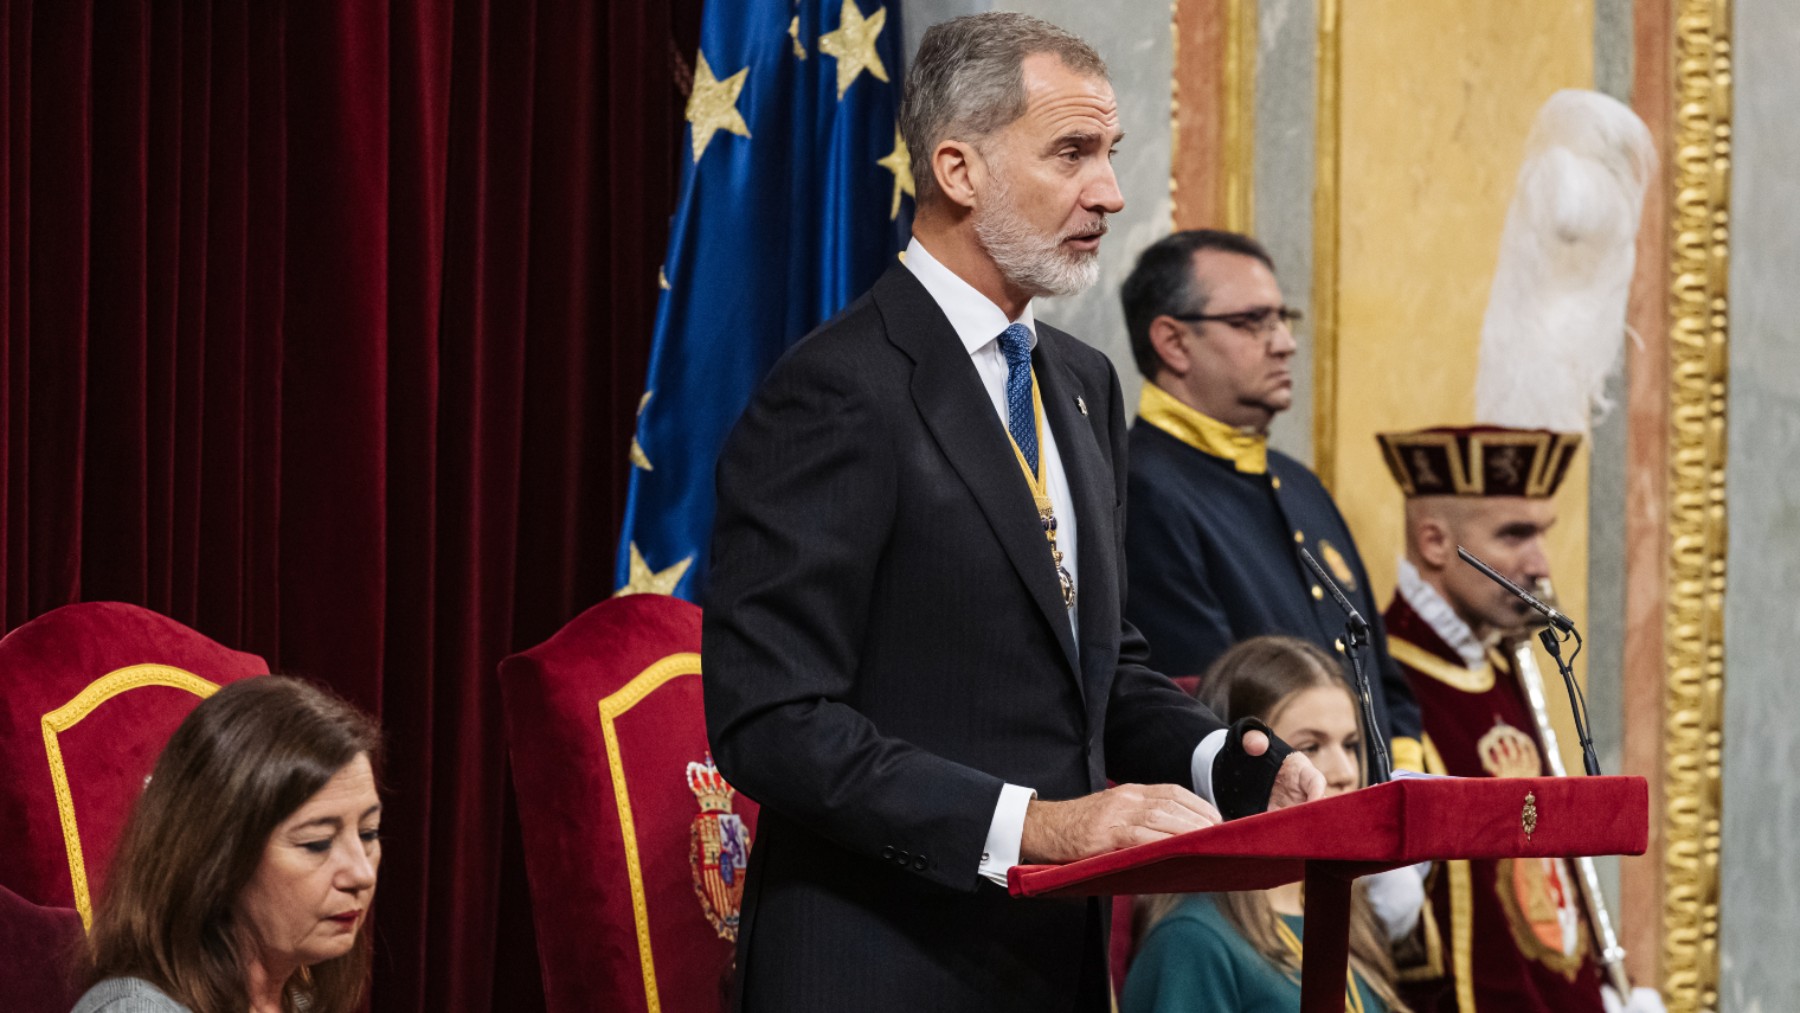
x=1248 y=452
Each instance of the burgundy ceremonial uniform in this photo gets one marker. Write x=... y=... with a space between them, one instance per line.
x=1509 y=935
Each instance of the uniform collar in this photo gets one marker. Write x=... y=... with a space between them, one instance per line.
x=1248 y=452
x=1440 y=616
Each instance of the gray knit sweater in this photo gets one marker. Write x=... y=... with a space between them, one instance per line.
x=127 y=995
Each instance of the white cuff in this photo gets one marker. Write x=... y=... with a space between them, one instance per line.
x=1643 y=1000
x=1397 y=897
x=1204 y=755
x=1001 y=851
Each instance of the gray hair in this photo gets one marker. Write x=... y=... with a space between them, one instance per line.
x=968 y=81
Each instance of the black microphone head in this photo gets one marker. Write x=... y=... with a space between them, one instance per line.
x=1547 y=637
x=1556 y=619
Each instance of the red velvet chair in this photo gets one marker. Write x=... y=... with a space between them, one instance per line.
x=635 y=847
x=89 y=694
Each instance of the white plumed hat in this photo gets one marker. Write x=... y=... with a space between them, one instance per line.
x=1556 y=313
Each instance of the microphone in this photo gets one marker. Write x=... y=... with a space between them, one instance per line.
x=1559 y=623
x=1356 y=636
x=1562 y=623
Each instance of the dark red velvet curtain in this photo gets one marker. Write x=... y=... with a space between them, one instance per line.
x=325 y=323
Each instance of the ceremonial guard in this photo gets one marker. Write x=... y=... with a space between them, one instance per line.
x=1217 y=518
x=1526 y=934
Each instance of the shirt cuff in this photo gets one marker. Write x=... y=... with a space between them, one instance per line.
x=1204 y=755
x=1001 y=851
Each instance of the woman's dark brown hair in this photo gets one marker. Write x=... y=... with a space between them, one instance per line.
x=243 y=761
x=1255 y=679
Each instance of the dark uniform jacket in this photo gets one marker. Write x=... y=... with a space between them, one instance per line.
x=1510 y=935
x=885 y=644
x=1212 y=550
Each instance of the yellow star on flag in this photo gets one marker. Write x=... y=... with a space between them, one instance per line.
x=899 y=162
x=638 y=457
x=794 y=33
x=647 y=581
x=713 y=105
x=854 y=45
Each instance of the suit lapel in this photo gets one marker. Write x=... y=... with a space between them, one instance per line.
x=1091 y=487
x=956 y=409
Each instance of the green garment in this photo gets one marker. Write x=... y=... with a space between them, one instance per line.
x=1194 y=961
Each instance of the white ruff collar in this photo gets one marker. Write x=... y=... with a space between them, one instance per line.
x=1437 y=613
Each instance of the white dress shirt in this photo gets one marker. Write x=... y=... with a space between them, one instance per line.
x=979 y=323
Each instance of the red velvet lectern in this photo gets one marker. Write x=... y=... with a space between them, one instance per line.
x=1332 y=841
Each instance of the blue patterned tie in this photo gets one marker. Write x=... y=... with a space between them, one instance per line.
x=1015 y=344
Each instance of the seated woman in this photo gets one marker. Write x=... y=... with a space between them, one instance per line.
x=244 y=877
x=1241 y=951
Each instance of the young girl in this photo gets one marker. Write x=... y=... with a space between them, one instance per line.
x=1241 y=951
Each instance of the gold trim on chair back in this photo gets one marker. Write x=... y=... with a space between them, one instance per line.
x=68 y=716
x=611 y=708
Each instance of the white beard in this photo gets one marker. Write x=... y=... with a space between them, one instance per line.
x=1027 y=258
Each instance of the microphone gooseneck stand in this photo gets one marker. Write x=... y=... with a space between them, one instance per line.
x=1559 y=623
x=1356 y=637
x=1577 y=700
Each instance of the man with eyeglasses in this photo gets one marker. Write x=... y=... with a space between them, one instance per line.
x=1215 y=517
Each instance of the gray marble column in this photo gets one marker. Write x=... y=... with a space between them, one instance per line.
x=1605 y=654
x=918 y=15
x=1759 y=906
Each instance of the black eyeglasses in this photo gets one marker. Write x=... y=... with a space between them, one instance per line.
x=1258 y=323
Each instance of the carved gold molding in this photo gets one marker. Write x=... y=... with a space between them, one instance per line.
x=1694 y=613
x=1237 y=134
x=1326 y=160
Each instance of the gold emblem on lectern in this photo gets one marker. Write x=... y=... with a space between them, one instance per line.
x=1528 y=815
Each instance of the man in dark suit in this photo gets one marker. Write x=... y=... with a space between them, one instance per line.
x=914 y=653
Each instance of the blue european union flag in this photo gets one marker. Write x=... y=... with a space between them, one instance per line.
x=797 y=197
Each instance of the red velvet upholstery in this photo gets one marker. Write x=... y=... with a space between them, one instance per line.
x=631 y=664
x=1333 y=841
x=106 y=684
x=1399 y=823
x=40 y=952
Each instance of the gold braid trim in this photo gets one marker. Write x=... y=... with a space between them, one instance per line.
x=1462 y=912
x=1469 y=680
x=642 y=685
x=68 y=716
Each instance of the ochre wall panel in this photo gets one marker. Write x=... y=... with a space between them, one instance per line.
x=1436 y=103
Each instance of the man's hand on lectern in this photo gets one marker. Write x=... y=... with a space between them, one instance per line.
x=1130 y=814
x=1297 y=781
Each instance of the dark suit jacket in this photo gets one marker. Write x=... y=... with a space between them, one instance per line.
x=885 y=645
